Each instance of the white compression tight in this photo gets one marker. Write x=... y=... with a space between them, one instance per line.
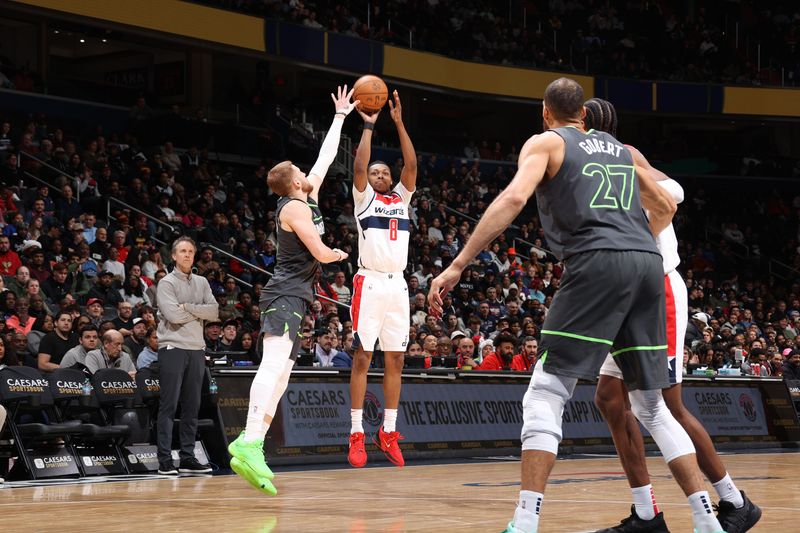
x=542 y=408
x=269 y=385
x=649 y=408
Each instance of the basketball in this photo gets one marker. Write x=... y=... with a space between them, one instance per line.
x=372 y=92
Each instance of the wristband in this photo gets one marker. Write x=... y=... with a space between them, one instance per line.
x=343 y=113
x=369 y=126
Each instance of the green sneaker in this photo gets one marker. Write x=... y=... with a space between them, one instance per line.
x=251 y=454
x=511 y=529
x=262 y=484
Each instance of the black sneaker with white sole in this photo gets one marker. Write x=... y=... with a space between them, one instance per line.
x=193 y=466
x=634 y=524
x=167 y=468
x=739 y=520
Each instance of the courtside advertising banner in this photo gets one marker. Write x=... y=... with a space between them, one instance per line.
x=319 y=415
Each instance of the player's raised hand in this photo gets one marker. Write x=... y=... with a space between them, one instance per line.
x=369 y=119
x=342 y=100
x=441 y=285
x=396 y=108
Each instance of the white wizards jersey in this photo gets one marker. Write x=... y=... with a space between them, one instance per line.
x=667 y=241
x=383 y=228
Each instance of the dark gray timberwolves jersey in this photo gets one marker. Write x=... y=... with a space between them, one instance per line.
x=593 y=202
x=295 y=267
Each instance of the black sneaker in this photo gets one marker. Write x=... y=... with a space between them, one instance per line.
x=193 y=466
x=634 y=524
x=735 y=520
x=167 y=468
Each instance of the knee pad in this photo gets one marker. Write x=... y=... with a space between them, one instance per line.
x=276 y=353
x=542 y=408
x=649 y=408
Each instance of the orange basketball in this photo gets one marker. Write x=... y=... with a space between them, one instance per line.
x=372 y=92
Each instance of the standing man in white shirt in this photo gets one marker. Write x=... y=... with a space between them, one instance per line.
x=380 y=306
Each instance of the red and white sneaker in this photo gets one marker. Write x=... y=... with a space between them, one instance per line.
x=388 y=443
x=357 y=455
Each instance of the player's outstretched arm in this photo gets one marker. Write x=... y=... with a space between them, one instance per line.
x=330 y=145
x=363 y=152
x=658 y=202
x=533 y=161
x=296 y=217
x=409 y=176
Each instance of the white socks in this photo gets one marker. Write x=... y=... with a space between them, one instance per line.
x=389 y=420
x=645 y=502
x=526 y=517
x=727 y=490
x=268 y=386
x=356 y=424
x=705 y=521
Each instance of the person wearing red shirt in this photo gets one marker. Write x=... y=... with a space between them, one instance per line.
x=526 y=360
x=9 y=260
x=501 y=359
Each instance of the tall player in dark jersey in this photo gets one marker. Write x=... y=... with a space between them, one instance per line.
x=286 y=296
x=737 y=513
x=590 y=197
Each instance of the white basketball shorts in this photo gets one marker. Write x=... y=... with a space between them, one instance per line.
x=677 y=320
x=380 y=311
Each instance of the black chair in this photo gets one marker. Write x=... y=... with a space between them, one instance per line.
x=26 y=394
x=97 y=437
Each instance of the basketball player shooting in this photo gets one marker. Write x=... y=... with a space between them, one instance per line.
x=736 y=513
x=380 y=308
x=288 y=293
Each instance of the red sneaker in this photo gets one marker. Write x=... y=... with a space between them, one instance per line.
x=357 y=455
x=388 y=443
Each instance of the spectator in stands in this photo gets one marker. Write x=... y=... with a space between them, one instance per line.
x=68 y=207
x=246 y=344
x=230 y=331
x=110 y=354
x=113 y=263
x=21 y=320
x=123 y=322
x=55 y=344
x=19 y=283
x=137 y=340
x=133 y=292
x=9 y=260
x=525 y=361
x=466 y=353
x=87 y=341
x=99 y=247
x=791 y=366
x=94 y=311
x=501 y=360
x=103 y=290
x=206 y=262
x=325 y=352
x=8 y=357
x=343 y=294
x=62 y=283
x=211 y=334
x=19 y=341
x=149 y=353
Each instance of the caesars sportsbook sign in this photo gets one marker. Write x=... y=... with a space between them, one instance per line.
x=318 y=414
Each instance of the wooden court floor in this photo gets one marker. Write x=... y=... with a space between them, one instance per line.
x=584 y=494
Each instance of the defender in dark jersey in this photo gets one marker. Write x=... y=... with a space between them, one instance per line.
x=590 y=197
x=286 y=296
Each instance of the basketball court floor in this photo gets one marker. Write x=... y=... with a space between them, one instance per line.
x=585 y=493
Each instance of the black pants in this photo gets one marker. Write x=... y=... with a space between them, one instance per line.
x=181 y=378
